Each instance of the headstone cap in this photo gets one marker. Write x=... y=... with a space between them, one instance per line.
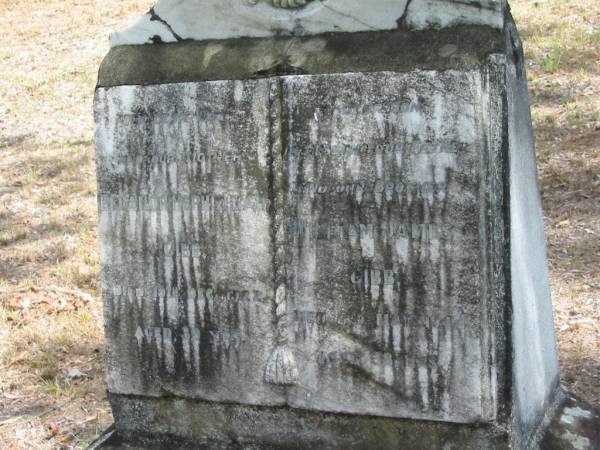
x=201 y=20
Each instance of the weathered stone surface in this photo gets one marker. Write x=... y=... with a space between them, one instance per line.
x=463 y=47
x=185 y=424
x=534 y=356
x=162 y=424
x=384 y=232
x=315 y=241
x=575 y=426
x=183 y=184
x=177 y=20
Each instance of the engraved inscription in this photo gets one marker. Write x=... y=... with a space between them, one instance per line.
x=226 y=339
x=289 y=3
x=208 y=202
x=339 y=358
x=184 y=223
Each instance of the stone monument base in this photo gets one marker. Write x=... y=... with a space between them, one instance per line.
x=168 y=423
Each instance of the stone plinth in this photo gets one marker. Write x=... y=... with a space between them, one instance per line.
x=325 y=240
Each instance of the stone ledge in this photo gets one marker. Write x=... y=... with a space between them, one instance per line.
x=173 y=423
x=464 y=47
x=575 y=426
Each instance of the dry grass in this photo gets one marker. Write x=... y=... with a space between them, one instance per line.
x=49 y=60
x=562 y=44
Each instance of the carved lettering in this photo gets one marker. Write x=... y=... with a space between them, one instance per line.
x=374 y=277
x=332 y=231
x=378 y=148
x=308 y=317
x=425 y=232
x=226 y=339
x=183 y=201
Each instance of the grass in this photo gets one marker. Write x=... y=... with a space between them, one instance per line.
x=562 y=45
x=551 y=62
x=48 y=215
x=48 y=238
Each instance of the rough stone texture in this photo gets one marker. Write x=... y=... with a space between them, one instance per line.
x=385 y=232
x=183 y=183
x=463 y=47
x=163 y=424
x=179 y=20
x=184 y=424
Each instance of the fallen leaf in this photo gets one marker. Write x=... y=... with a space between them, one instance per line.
x=53 y=429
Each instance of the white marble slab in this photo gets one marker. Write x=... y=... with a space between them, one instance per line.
x=175 y=20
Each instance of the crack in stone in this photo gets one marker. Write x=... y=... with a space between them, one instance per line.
x=350 y=17
x=402 y=19
x=157 y=18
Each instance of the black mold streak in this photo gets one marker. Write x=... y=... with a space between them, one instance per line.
x=156 y=17
x=349 y=16
x=402 y=19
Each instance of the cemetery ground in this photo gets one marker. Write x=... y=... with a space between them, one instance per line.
x=52 y=392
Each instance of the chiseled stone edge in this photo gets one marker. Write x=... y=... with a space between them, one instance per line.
x=155 y=423
x=571 y=424
x=464 y=47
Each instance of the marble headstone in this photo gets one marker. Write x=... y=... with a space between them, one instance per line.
x=320 y=228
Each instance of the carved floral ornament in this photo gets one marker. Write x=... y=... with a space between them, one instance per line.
x=284 y=4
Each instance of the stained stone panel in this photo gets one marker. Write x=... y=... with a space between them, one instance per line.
x=385 y=236
x=185 y=230
x=316 y=241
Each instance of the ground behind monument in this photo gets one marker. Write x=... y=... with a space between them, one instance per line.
x=52 y=392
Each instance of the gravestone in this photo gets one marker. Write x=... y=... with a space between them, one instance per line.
x=320 y=229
